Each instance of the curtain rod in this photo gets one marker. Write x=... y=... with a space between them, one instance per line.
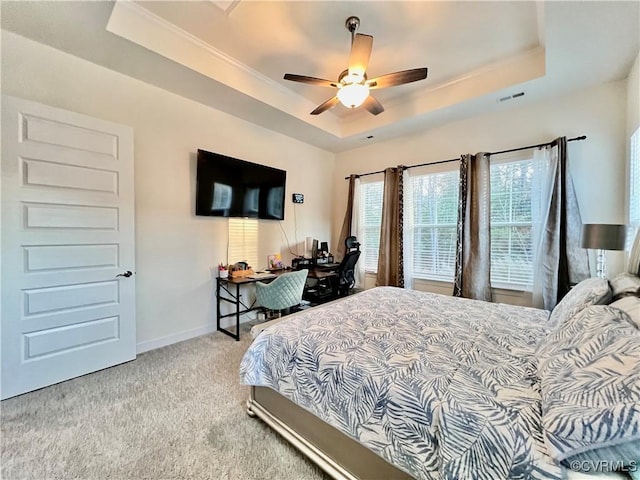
x=546 y=144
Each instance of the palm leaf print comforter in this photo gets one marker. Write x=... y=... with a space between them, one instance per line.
x=441 y=387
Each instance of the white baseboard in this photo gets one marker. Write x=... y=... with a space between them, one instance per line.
x=173 y=338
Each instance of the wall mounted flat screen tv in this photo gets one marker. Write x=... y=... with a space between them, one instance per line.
x=229 y=187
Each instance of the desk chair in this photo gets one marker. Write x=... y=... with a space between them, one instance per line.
x=282 y=293
x=346 y=270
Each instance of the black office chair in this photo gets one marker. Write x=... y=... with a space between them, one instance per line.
x=346 y=270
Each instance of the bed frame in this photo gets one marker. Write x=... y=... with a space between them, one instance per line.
x=338 y=455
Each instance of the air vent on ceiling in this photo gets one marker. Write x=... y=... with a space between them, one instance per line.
x=510 y=97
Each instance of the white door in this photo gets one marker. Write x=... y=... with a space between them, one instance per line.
x=67 y=232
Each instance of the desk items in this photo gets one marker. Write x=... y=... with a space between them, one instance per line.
x=326 y=260
x=261 y=276
x=301 y=262
x=222 y=270
x=240 y=269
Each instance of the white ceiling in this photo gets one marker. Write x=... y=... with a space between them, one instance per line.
x=232 y=55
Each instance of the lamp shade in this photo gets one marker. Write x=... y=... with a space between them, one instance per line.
x=601 y=236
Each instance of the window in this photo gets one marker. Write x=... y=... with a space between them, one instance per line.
x=370 y=221
x=634 y=188
x=435 y=214
x=511 y=241
x=243 y=241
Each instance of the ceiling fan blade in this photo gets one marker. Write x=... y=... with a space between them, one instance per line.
x=311 y=80
x=398 y=78
x=373 y=105
x=325 y=106
x=360 y=54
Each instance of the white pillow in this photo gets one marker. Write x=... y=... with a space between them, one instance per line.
x=624 y=284
x=630 y=305
x=590 y=389
x=592 y=291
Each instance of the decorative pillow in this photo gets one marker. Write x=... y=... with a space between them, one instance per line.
x=590 y=388
x=625 y=284
x=592 y=291
x=631 y=306
x=590 y=462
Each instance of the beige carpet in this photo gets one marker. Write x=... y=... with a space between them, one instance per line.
x=174 y=413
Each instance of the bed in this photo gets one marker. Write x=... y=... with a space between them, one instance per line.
x=394 y=383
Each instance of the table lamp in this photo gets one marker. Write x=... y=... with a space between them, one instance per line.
x=601 y=237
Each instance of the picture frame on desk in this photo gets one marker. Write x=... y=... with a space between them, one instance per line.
x=274 y=262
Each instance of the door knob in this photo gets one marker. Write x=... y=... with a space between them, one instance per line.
x=125 y=274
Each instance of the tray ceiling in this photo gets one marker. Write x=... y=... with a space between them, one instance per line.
x=232 y=54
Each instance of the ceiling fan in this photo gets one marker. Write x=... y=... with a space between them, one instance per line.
x=353 y=85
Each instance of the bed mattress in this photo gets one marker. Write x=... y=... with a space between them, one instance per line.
x=435 y=385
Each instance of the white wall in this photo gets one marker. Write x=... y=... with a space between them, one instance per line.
x=633 y=98
x=174 y=248
x=597 y=164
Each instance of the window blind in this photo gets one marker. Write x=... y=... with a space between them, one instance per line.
x=511 y=219
x=370 y=221
x=243 y=241
x=435 y=214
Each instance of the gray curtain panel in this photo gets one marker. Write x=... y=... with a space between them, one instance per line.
x=345 y=232
x=390 y=261
x=565 y=262
x=473 y=248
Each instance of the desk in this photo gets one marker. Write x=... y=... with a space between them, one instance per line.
x=323 y=289
x=235 y=299
x=225 y=294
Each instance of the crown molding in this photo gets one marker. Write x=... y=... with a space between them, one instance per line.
x=136 y=10
x=135 y=23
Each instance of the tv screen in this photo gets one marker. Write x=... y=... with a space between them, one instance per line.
x=228 y=187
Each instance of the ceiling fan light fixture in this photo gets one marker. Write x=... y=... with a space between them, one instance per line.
x=353 y=95
x=353 y=85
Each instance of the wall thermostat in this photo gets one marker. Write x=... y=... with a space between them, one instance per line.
x=298 y=198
